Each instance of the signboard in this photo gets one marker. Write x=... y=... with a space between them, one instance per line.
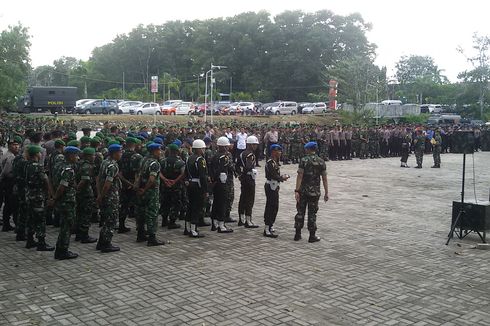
x=154 y=84
x=332 y=94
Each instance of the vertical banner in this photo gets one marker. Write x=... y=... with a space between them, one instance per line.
x=332 y=94
x=154 y=84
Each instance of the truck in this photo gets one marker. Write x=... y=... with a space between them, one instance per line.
x=54 y=99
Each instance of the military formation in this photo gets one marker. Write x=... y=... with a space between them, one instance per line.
x=52 y=176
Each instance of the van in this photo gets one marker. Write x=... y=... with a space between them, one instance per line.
x=283 y=108
x=431 y=108
x=391 y=102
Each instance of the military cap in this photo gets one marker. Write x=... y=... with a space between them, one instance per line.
x=113 y=142
x=72 y=136
x=74 y=143
x=114 y=148
x=100 y=135
x=137 y=141
x=276 y=147
x=95 y=140
x=59 y=142
x=88 y=151
x=86 y=129
x=141 y=138
x=173 y=147
x=85 y=139
x=72 y=150
x=144 y=134
x=120 y=140
x=131 y=140
x=158 y=140
x=311 y=145
x=207 y=140
x=177 y=142
x=154 y=146
x=33 y=149
x=16 y=140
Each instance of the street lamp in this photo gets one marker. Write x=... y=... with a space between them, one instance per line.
x=211 y=91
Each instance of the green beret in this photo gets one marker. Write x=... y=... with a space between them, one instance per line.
x=59 y=142
x=74 y=143
x=89 y=151
x=131 y=140
x=95 y=140
x=16 y=139
x=33 y=149
x=113 y=142
x=161 y=127
x=120 y=140
x=100 y=135
x=137 y=141
x=173 y=147
x=72 y=136
x=85 y=139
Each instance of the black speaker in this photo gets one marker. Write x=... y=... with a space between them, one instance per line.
x=476 y=216
x=463 y=141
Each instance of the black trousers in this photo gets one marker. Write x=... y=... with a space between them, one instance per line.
x=247 y=196
x=195 y=212
x=271 y=205
x=10 y=201
x=219 y=203
x=348 y=149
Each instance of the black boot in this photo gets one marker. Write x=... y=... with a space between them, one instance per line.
x=65 y=254
x=213 y=226
x=20 y=236
x=313 y=237
x=109 y=247
x=31 y=243
x=297 y=235
x=86 y=238
x=153 y=241
x=141 y=236
x=164 y=222
x=6 y=227
x=43 y=246
x=122 y=227
x=100 y=244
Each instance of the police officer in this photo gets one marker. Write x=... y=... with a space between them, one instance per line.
x=198 y=188
x=248 y=173
x=222 y=169
x=65 y=201
x=7 y=182
x=108 y=198
x=149 y=193
x=307 y=191
x=274 y=177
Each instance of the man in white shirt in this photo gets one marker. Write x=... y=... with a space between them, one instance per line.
x=241 y=142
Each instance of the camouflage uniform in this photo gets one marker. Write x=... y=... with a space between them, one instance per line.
x=437 y=148
x=19 y=171
x=127 y=192
x=36 y=197
x=312 y=167
x=109 y=208
x=172 y=167
x=419 y=149
x=150 y=200
x=66 y=205
x=85 y=198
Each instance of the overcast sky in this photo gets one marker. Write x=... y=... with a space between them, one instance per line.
x=422 y=27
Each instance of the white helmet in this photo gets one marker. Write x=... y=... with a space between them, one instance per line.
x=252 y=140
x=198 y=144
x=223 y=141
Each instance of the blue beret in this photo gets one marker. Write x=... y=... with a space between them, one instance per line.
x=276 y=147
x=154 y=146
x=144 y=134
x=114 y=148
x=132 y=135
x=158 y=140
x=177 y=142
x=72 y=150
x=140 y=138
x=207 y=140
x=189 y=141
x=311 y=145
x=160 y=136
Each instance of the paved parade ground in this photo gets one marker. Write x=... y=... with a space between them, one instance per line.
x=382 y=260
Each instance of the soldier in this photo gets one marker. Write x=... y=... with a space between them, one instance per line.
x=198 y=188
x=274 y=177
x=37 y=191
x=248 y=174
x=173 y=173
x=419 y=144
x=307 y=191
x=128 y=176
x=437 y=148
x=364 y=139
x=405 y=151
x=85 y=195
x=209 y=153
x=222 y=169
x=7 y=182
x=108 y=198
x=65 y=201
x=149 y=193
x=19 y=171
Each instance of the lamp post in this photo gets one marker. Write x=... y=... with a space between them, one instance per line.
x=212 y=82
x=211 y=91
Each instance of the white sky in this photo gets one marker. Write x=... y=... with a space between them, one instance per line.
x=422 y=27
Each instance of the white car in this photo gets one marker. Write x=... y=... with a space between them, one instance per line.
x=126 y=106
x=315 y=108
x=184 y=108
x=241 y=108
x=147 y=109
x=283 y=108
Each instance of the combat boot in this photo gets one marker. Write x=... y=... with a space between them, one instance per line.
x=313 y=237
x=86 y=238
x=65 y=254
x=43 y=246
x=193 y=233
x=249 y=224
x=141 y=236
x=214 y=225
x=6 y=227
x=109 y=247
x=269 y=233
x=122 y=227
x=153 y=241
x=241 y=219
x=100 y=245
x=31 y=243
x=297 y=235
x=20 y=236
x=223 y=229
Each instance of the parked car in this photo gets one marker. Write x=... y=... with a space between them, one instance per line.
x=391 y=102
x=241 y=108
x=184 y=108
x=147 y=109
x=99 y=107
x=302 y=105
x=285 y=107
x=431 y=108
x=315 y=108
x=126 y=106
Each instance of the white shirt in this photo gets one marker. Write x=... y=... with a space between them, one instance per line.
x=241 y=140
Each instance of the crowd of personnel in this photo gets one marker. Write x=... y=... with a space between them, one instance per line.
x=49 y=176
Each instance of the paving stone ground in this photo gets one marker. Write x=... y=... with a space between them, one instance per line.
x=381 y=261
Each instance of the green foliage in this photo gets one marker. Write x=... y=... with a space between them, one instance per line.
x=241 y=96
x=14 y=64
x=317 y=97
x=357 y=117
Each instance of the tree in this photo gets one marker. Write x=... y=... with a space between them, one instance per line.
x=480 y=74
x=14 y=64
